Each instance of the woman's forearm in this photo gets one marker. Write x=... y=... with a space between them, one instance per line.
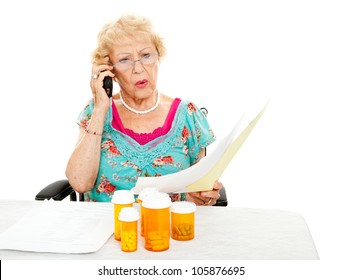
x=83 y=165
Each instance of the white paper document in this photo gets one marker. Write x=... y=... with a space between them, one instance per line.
x=202 y=175
x=61 y=227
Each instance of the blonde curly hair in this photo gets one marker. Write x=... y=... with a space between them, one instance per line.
x=116 y=31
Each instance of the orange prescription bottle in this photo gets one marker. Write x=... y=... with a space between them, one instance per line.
x=128 y=218
x=120 y=199
x=142 y=195
x=157 y=222
x=183 y=220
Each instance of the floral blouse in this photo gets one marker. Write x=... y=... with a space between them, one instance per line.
x=123 y=159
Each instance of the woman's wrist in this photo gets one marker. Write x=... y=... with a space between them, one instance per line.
x=102 y=106
x=92 y=132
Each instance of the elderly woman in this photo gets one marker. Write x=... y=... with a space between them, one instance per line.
x=139 y=131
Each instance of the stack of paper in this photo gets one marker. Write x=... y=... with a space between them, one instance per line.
x=60 y=227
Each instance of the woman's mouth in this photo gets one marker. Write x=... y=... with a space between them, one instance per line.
x=141 y=83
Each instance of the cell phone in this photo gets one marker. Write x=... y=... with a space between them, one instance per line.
x=108 y=86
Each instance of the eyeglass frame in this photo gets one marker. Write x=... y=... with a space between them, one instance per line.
x=132 y=62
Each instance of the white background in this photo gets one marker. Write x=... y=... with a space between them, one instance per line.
x=228 y=56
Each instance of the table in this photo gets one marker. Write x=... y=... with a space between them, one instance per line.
x=220 y=233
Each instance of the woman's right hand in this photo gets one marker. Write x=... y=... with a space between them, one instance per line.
x=101 y=100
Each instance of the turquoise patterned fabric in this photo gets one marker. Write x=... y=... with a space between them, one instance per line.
x=123 y=159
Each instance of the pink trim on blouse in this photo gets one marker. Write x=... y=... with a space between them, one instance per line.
x=143 y=138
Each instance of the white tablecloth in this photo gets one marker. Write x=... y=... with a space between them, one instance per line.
x=220 y=233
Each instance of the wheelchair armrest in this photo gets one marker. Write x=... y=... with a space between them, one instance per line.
x=222 y=201
x=57 y=191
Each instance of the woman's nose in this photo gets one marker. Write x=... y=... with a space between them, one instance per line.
x=138 y=67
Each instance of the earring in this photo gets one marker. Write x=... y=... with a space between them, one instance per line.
x=115 y=79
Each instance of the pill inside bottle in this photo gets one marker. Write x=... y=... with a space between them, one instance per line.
x=157 y=222
x=128 y=218
x=183 y=220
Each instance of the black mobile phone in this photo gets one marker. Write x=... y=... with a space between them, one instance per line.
x=108 y=86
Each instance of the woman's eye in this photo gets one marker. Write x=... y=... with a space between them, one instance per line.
x=124 y=60
x=147 y=55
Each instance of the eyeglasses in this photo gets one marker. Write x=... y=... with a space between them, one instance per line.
x=126 y=63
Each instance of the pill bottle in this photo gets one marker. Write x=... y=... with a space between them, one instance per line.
x=120 y=199
x=128 y=218
x=157 y=222
x=183 y=220
x=142 y=195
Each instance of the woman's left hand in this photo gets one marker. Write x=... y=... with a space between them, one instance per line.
x=207 y=198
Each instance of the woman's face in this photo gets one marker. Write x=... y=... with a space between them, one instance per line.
x=136 y=65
